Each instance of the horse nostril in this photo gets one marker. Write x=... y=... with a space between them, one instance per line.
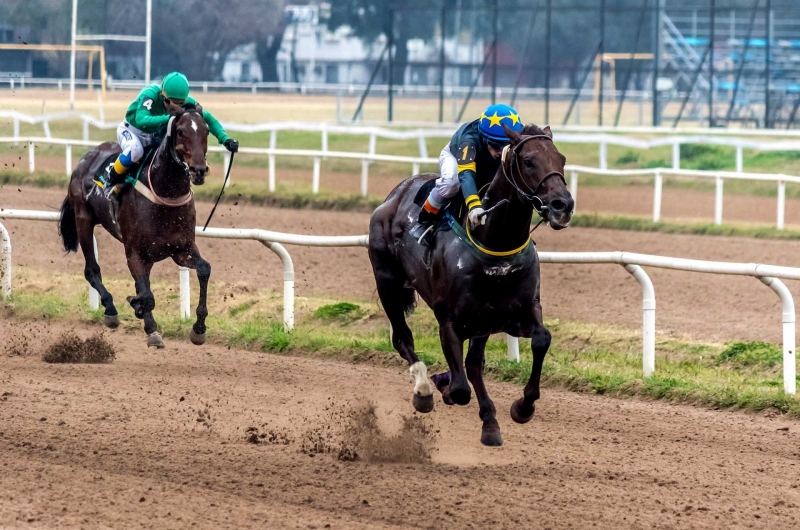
x=558 y=205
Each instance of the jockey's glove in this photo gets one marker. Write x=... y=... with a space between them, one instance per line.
x=477 y=216
x=231 y=145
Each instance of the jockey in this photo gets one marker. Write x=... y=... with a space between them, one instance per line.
x=148 y=115
x=470 y=160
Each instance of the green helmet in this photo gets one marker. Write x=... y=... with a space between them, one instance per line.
x=175 y=86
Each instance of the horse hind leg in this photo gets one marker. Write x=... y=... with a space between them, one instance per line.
x=490 y=432
x=397 y=301
x=92 y=273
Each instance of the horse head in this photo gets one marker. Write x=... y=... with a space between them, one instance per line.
x=535 y=168
x=190 y=141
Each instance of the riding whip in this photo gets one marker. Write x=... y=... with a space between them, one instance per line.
x=221 y=193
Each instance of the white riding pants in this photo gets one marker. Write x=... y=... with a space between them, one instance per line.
x=447 y=184
x=133 y=142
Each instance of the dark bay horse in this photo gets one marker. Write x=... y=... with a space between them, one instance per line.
x=154 y=224
x=489 y=285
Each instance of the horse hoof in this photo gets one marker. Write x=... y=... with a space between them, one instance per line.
x=517 y=415
x=154 y=340
x=446 y=396
x=491 y=437
x=198 y=339
x=111 y=321
x=422 y=404
x=460 y=396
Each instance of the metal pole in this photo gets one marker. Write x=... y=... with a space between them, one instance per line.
x=441 y=66
x=740 y=71
x=629 y=74
x=390 y=40
x=586 y=72
x=147 y=44
x=496 y=30
x=475 y=80
x=524 y=55
x=656 y=60
x=72 y=55
x=767 y=23
x=371 y=80
x=711 y=35
x=547 y=62
x=691 y=88
x=602 y=55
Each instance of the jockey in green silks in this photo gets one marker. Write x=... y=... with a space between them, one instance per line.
x=147 y=116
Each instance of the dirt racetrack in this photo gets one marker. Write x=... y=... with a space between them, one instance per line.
x=703 y=306
x=157 y=440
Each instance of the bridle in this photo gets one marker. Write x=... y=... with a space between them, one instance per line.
x=528 y=194
x=171 y=145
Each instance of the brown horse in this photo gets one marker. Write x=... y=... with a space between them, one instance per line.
x=155 y=223
x=477 y=283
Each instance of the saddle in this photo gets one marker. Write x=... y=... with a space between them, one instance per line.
x=134 y=172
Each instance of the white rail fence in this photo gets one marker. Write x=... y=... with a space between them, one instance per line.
x=603 y=137
x=770 y=275
x=416 y=162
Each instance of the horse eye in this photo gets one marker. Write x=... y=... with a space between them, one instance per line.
x=528 y=162
x=180 y=132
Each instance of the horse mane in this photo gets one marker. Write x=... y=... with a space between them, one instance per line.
x=532 y=130
x=188 y=107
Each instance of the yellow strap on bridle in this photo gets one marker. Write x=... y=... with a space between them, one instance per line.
x=492 y=252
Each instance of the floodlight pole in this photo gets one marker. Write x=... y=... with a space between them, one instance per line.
x=72 y=55
x=148 y=36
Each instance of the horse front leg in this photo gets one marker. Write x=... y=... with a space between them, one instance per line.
x=195 y=261
x=457 y=388
x=91 y=270
x=144 y=302
x=522 y=409
x=490 y=433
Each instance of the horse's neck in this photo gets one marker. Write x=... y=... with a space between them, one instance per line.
x=166 y=176
x=508 y=226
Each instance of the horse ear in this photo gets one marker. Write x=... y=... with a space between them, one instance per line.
x=512 y=135
x=548 y=132
x=199 y=108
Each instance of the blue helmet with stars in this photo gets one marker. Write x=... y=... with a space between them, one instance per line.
x=493 y=119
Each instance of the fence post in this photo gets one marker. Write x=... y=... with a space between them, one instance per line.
x=186 y=292
x=46 y=128
x=94 y=296
x=315 y=177
x=271 y=173
x=648 y=319
x=603 y=155
x=512 y=343
x=415 y=169
x=364 y=176
x=739 y=159
x=5 y=264
x=288 y=283
x=718 y=201
x=16 y=130
x=85 y=131
x=324 y=137
x=676 y=155
x=789 y=360
x=779 y=224
x=657 y=197
x=31 y=157
x=205 y=87
x=68 y=157
x=573 y=188
x=423 y=146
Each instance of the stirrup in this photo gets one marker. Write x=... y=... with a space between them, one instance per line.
x=422 y=237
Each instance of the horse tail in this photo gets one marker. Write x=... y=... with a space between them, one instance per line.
x=67 y=227
x=408 y=299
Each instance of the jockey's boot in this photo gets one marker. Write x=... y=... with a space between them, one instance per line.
x=429 y=216
x=112 y=180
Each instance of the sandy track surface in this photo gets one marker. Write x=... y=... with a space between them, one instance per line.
x=126 y=445
x=706 y=306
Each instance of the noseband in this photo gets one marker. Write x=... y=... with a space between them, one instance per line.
x=530 y=195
